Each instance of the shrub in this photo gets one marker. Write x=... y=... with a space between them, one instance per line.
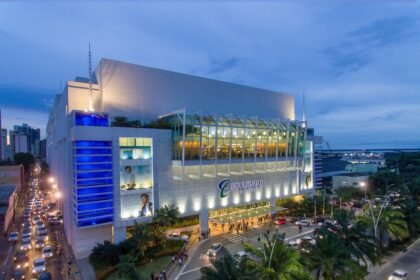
x=106 y=254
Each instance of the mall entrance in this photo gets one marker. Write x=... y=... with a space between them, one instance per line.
x=242 y=218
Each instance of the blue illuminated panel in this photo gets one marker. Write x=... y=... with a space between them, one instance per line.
x=93 y=195
x=91 y=119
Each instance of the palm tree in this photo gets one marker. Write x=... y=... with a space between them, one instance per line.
x=331 y=259
x=278 y=261
x=393 y=223
x=141 y=237
x=226 y=268
x=360 y=245
x=167 y=215
x=127 y=268
x=412 y=217
x=158 y=235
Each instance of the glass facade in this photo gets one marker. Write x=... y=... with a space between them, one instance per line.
x=91 y=119
x=93 y=183
x=210 y=138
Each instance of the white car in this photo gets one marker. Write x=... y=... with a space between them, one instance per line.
x=40 y=242
x=13 y=236
x=38 y=266
x=398 y=275
x=292 y=244
x=241 y=255
x=26 y=235
x=47 y=252
x=304 y=223
x=215 y=248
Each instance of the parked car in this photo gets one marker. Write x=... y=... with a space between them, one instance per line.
x=55 y=221
x=13 y=236
x=280 y=221
x=215 y=248
x=304 y=223
x=38 y=266
x=238 y=256
x=292 y=244
x=306 y=239
x=398 y=275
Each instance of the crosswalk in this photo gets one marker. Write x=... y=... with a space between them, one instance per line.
x=235 y=238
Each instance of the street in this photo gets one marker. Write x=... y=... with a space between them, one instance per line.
x=402 y=261
x=232 y=242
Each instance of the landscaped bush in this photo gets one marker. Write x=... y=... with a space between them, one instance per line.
x=186 y=222
x=103 y=255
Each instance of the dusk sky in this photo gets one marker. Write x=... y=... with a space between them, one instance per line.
x=357 y=62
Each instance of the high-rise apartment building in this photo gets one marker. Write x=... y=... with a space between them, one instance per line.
x=32 y=136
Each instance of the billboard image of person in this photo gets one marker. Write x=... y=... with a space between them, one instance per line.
x=128 y=179
x=146 y=207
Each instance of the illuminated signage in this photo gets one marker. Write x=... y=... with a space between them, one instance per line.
x=226 y=186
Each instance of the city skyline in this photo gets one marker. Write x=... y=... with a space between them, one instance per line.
x=357 y=70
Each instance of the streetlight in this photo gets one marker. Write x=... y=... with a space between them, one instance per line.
x=51 y=179
x=363 y=184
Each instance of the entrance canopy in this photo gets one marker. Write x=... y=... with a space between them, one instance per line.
x=246 y=213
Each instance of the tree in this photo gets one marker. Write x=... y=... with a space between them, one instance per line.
x=382 y=181
x=226 y=268
x=120 y=121
x=26 y=159
x=167 y=215
x=106 y=254
x=141 y=237
x=279 y=261
x=158 y=235
x=127 y=268
x=393 y=223
x=331 y=259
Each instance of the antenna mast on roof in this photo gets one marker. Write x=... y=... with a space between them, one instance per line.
x=303 y=108
x=90 y=81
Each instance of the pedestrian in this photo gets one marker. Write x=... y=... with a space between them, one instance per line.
x=173 y=259
x=242 y=241
x=152 y=276
x=268 y=232
x=300 y=228
x=164 y=275
x=199 y=238
x=405 y=249
x=180 y=261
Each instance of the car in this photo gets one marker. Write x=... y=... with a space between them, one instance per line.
x=45 y=276
x=58 y=221
x=21 y=260
x=293 y=219
x=44 y=235
x=307 y=239
x=39 y=224
x=36 y=219
x=26 y=235
x=215 y=248
x=26 y=244
x=239 y=256
x=40 y=242
x=38 y=265
x=398 y=275
x=18 y=273
x=27 y=215
x=280 y=221
x=13 y=236
x=47 y=252
x=304 y=223
x=292 y=244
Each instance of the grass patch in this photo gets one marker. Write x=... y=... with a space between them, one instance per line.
x=157 y=265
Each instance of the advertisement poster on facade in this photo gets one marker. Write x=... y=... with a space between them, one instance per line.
x=136 y=186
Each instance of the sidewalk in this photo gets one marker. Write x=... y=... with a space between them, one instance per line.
x=69 y=269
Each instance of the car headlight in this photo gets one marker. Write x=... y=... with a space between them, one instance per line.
x=26 y=264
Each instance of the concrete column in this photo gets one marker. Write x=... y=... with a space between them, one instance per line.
x=273 y=199
x=119 y=234
x=203 y=217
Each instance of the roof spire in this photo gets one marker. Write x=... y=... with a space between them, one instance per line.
x=90 y=81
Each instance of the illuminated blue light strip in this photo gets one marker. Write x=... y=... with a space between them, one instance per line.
x=92 y=167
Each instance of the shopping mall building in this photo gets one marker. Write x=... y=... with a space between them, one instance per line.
x=214 y=149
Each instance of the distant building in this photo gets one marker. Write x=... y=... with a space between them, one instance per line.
x=43 y=149
x=3 y=144
x=317 y=151
x=25 y=133
x=349 y=180
x=11 y=181
x=361 y=168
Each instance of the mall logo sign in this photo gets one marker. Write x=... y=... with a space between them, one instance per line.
x=226 y=186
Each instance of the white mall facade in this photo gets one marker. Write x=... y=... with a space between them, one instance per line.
x=201 y=144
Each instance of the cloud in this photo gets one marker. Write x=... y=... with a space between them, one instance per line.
x=361 y=45
x=219 y=66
